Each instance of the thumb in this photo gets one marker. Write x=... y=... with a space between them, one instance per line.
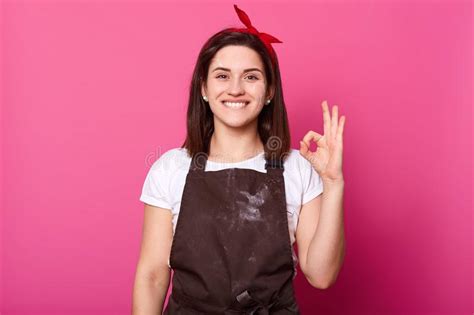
x=304 y=149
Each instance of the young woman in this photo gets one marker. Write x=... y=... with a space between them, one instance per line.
x=224 y=209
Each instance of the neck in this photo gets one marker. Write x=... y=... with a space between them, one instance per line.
x=235 y=144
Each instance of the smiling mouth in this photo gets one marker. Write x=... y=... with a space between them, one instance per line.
x=235 y=105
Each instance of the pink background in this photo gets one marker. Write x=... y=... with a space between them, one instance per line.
x=94 y=91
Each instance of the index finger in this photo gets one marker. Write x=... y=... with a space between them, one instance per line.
x=326 y=118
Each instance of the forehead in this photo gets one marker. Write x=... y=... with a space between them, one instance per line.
x=236 y=58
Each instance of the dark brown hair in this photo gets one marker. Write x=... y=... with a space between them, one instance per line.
x=273 y=126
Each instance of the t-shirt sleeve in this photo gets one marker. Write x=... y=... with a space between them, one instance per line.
x=155 y=190
x=312 y=183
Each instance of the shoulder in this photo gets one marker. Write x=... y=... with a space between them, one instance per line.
x=303 y=176
x=296 y=162
x=171 y=159
x=299 y=168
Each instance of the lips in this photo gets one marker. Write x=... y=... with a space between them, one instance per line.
x=235 y=104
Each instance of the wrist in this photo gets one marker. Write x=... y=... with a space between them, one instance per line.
x=333 y=182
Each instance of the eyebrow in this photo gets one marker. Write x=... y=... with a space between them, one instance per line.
x=245 y=71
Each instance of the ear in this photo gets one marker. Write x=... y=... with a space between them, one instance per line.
x=271 y=93
x=203 y=90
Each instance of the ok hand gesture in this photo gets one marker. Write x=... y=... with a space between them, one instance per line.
x=327 y=159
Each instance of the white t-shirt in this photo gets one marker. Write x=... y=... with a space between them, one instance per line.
x=165 y=181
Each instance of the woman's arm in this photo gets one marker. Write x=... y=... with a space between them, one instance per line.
x=320 y=236
x=321 y=232
x=152 y=276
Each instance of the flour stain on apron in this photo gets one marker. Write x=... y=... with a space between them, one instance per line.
x=249 y=208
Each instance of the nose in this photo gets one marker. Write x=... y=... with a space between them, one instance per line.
x=236 y=88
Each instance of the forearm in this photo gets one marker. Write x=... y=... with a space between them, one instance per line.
x=327 y=247
x=149 y=291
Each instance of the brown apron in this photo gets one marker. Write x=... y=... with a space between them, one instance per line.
x=231 y=251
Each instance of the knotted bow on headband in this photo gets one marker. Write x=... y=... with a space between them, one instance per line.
x=267 y=39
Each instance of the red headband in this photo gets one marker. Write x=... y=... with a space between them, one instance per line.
x=267 y=39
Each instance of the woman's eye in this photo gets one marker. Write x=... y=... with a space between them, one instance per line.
x=224 y=76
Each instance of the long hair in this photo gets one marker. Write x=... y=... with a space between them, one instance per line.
x=273 y=126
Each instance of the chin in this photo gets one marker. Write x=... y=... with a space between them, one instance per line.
x=236 y=118
x=236 y=123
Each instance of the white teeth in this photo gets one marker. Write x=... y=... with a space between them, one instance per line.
x=235 y=105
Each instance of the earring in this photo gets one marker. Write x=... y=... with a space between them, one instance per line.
x=268 y=101
x=205 y=98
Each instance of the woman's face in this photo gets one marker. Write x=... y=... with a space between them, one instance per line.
x=236 y=75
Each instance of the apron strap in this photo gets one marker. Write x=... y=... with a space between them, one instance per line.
x=248 y=304
x=256 y=306
x=274 y=163
x=198 y=162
